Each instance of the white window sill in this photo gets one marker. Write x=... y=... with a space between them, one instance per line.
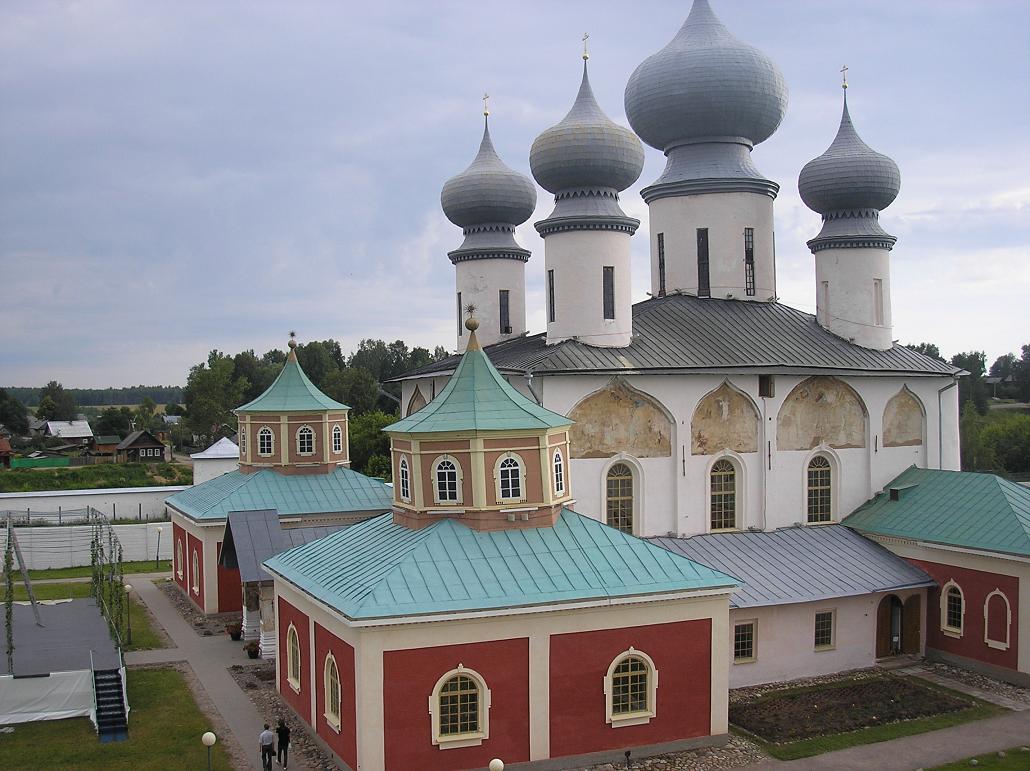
x=331 y=722
x=295 y=687
x=949 y=632
x=998 y=646
x=750 y=660
x=632 y=718
x=459 y=740
x=821 y=648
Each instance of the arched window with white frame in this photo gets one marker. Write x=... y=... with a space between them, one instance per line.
x=559 y=473
x=196 y=572
x=722 y=495
x=953 y=609
x=305 y=440
x=997 y=621
x=243 y=440
x=819 y=490
x=293 y=671
x=619 y=502
x=511 y=478
x=447 y=480
x=404 y=478
x=459 y=708
x=331 y=677
x=179 y=561
x=337 y=439
x=266 y=441
x=631 y=689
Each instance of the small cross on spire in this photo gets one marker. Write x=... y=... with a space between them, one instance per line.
x=486 y=103
x=586 y=53
x=844 y=75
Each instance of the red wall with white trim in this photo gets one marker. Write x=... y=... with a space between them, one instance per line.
x=300 y=701
x=179 y=541
x=194 y=544
x=579 y=662
x=409 y=677
x=230 y=589
x=975 y=586
x=345 y=741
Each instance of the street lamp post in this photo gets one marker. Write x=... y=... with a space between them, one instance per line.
x=157 y=555
x=209 y=740
x=128 y=614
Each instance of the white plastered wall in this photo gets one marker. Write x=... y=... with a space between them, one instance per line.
x=480 y=282
x=209 y=468
x=578 y=258
x=846 y=295
x=725 y=215
x=370 y=643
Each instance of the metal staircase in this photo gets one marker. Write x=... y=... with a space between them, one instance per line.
x=112 y=722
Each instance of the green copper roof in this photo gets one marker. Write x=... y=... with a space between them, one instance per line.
x=955 y=508
x=477 y=398
x=292 y=392
x=339 y=491
x=377 y=569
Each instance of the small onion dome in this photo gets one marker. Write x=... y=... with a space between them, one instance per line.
x=849 y=175
x=488 y=191
x=705 y=84
x=586 y=149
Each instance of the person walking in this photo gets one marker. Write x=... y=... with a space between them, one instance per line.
x=282 y=731
x=267 y=743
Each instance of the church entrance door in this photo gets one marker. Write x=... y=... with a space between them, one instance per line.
x=890 y=627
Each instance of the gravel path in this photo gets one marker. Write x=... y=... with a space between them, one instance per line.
x=737 y=752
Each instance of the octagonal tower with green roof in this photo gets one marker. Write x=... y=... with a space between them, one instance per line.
x=480 y=452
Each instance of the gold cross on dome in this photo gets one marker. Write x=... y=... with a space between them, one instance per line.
x=486 y=103
x=844 y=74
x=586 y=53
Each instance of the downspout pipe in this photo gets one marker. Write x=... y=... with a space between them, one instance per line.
x=532 y=390
x=940 y=420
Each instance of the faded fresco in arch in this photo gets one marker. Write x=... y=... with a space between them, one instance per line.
x=724 y=419
x=902 y=420
x=821 y=410
x=620 y=419
x=417 y=402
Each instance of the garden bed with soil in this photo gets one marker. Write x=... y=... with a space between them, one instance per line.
x=205 y=626
x=842 y=707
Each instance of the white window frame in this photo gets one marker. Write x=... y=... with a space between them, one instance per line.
x=1001 y=645
x=459 y=476
x=297 y=435
x=631 y=718
x=195 y=584
x=521 y=478
x=455 y=741
x=332 y=719
x=292 y=634
x=952 y=631
x=263 y=432
x=637 y=474
x=833 y=629
x=179 y=558
x=753 y=623
x=243 y=440
x=337 y=439
x=558 y=469
x=822 y=452
x=738 y=493
x=404 y=478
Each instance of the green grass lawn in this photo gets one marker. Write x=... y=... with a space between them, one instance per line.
x=165 y=727
x=143 y=566
x=1014 y=758
x=143 y=635
x=103 y=475
x=881 y=733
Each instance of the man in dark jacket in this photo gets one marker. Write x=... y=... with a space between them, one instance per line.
x=282 y=731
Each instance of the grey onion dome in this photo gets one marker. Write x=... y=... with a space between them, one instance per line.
x=488 y=191
x=586 y=149
x=704 y=84
x=849 y=175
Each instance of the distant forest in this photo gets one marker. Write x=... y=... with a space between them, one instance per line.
x=103 y=397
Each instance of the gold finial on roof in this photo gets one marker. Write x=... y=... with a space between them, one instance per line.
x=586 y=53
x=844 y=74
x=486 y=104
x=472 y=324
x=293 y=340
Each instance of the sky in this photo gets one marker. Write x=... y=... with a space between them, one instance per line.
x=177 y=177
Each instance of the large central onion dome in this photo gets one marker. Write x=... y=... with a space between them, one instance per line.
x=586 y=149
x=850 y=175
x=703 y=85
x=488 y=191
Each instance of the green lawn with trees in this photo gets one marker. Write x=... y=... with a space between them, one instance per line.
x=103 y=475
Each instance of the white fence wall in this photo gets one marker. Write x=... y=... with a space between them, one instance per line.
x=143 y=503
x=68 y=546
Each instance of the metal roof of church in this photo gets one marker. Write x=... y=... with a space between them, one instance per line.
x=953 y=508
x=378 y=569
x=682 y=333
x=292 y=392
x=251 y=537
x=799 y=564
x=339 y=491
x=477 y=398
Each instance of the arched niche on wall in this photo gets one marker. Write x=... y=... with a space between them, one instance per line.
x=904 y=421
x=417 y=401
x=620 y=419
x=821 y=411
x=724 y=419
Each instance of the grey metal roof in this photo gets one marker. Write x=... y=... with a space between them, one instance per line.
x=70 y=630
x=141 y=438
x=799 y=564
x=849 y=175
x=704 y=84
x=251 y=537
x=681 y=333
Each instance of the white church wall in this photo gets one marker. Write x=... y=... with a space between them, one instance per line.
x=209 y=468
x=480 y=282
x=853 y=295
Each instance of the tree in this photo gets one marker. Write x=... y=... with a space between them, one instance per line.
x=927 y=349
x=355 y=387
x=13 y=414
x=1021 y=372
x=367 y=438
x=114 y=421
x=1007 y=437
x=174 y=409
x=319 y=360
x=47 y=409
x=379 y=466
x=258 y=373
x=62 y=406
x=976 y=454
x=145 y=413
x=972 y=387
x=1004 y=365
x=212 y=393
